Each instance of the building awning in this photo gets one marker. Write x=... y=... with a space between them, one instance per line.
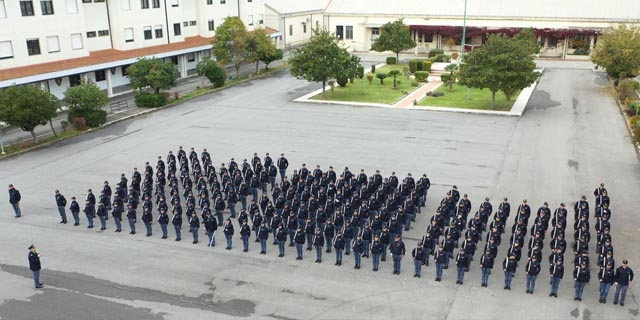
x=98 y=60
x=456 y=31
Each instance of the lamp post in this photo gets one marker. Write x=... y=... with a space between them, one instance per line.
x=2 y=126
x=464 y=31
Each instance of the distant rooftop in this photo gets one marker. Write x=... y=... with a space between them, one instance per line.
x=296 y=6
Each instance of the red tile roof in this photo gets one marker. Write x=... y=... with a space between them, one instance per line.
x=99 y=57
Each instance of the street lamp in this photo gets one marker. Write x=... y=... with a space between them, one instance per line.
x=464 y=31
x=2 y=126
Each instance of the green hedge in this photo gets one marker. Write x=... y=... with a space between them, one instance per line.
x=150 y=100
x=342 y=81
x=360 y=72
x=421 y=76
x=435 y=52
x=92 y=118
x=426 y=65
x=416 y=65
x=443 y=58
x=391 y=60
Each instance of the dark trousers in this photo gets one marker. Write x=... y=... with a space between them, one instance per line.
x=229 y=240
x=194 y=233
x=417 y=265
x=178 y=231
x=63 y=214
x=281 y=246
x=16 y=209
x=531 y=282
x=460 y=272
x=358 y=256
x=164 y=230
x=117 y=221
x=263 y=245
x=245 y=243
x=376 y=260
x=132 y=225
x=555 y=283
x=396 y=262
x=338 y=255
x=508 y=276
x=621 y=293
x=299 y=250
x=76 y=217
x=148 y=226
x=36 y=277
x=604 y=289
x=580 y=288
x=319 y=252
x=439 y=268
x=486 y=272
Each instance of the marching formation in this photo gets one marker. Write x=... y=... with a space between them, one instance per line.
x=324 y=211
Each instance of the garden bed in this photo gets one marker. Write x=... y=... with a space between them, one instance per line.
x=479 y=99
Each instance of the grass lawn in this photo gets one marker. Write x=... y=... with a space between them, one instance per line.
x=374 y=92
x=480 y=99
x=62 y=135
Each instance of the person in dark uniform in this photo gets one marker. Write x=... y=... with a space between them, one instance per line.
x=176 y=220
x=131 y=217
x=440 y=258
x=377 y=250
x=281 y=238
x=74 y=207
x=581 y=275
x=486 y=264
x=102 y=215
x=531 y=271
x=245 y=232
x=338 y=244
x=35 y=265
x=318 y=243
x=509 y=266
x=461 y=266
x=283 y=164
x=163 y=220
x=556 y=272
x=210 y=226
x=624 y=276
x=299 y=239
x=358 y=248
x=607 y=277
x=397 y=250
x=147 y=219
x=90 y=212
x=228 y=233
x=61 y=202
x=14 y=199
x=418 y=259
x=263 y=236
x=194 y=225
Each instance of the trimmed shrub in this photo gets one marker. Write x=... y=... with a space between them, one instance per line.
x=443 y=58
x=437 y=94
x=360 y=72
x=421 y=76
x=413 y=66
x=92 y=118
x=435 y=52
x=342 y=81
x=419 y=64
x=391 y=60
x=370 y=77
x=150 y=100
x=426 y=65
x=414 y=83
x=381 y=76
x=373 y=68
x=445 y=77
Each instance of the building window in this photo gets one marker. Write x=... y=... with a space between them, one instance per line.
x=290 y=29
x=261 y=21
x=128 y=34
x=223 y=1
x=74 y=80
x=96 y=1
x=156 y=3
x=192 y=23
x=349 y=32
x=176 y=29
x=552 y=42
x=72 y=6
x=250 y=19
x=304 y=27
x=249 y=1
x=26 y=7
x=147 y=33
x=76 y=41
x=33 y=47
x=91 y=34
x=3 y=12
x=209 y=2
x=174 y=60
x=53 y=45
x=100 y=75
x=102 y=33
x=47 y=7
x=375 y=33
x=340 y=32
x=6 y=50
x=86 y=1
x=185 y=24
x=144 y=4
x=429 y=37
x=191 y=57
x=123 y=69
x=174 y=3
x=212 y=25
x=158 y=30
x=126 y=5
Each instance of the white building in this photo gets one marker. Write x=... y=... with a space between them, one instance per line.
x=559 y=25
x=295 y=19
x=56 y=43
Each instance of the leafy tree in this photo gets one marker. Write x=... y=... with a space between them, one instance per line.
x=395 y=74
x=453 y=72
x=319 y=60
x=394 y=36
x=153 y=73
x=502 y=64
x=618 y=51
x=261 y=47
x=213 y=71
x=231 y=43
x=86 y=100
x=27 y=107
x=267 y=59
x=381 y=76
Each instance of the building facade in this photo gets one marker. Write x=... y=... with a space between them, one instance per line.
x=562 y=27
x=295 y=19
x=57 y=43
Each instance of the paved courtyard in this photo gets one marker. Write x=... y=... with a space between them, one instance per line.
x=570 y=138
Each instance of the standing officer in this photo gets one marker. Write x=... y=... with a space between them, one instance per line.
x=397 y=251
x=176 y=220
x=624 y=276
x=263 y=236
x=163 y=220
x=358 y=248
x=462 y=263
x=61 y=202
x=131 y=216
x=14 y=199
x=377 y=249
x=147 y=219
x=90 y=212
x=418 y=259
x=102 y=215
x=440 y=258
x=318 y=242
x=581 y=275
x=486 y=264
x=299 y=238
x=210 y=226
x=509 y=266
x=245 y=232
x=283 y=164
x=281 y=238
x=532 y=270
x=556 y=271
x=607 y=278
x=228 y=233
x=35 y=266
x=74 y=207
x=338 y=244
